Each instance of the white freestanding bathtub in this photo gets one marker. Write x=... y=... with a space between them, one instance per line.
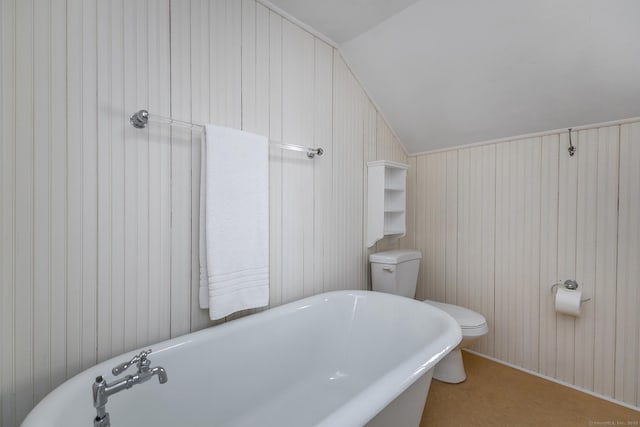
x=347 y=358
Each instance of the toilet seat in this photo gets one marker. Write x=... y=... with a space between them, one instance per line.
x=471 y=322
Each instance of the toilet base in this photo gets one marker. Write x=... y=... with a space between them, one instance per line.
x=450 y=369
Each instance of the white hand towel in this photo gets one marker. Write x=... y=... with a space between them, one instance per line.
x=234 y=221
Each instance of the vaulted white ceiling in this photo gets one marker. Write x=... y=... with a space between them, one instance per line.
x=453 y=72
x=342 y=20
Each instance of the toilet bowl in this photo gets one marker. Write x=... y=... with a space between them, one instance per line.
x=396 y=272
x=473 y=326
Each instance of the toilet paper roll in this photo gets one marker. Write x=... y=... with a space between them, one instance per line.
x=568 y=301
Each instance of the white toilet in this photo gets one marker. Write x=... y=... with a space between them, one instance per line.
x=396 y=272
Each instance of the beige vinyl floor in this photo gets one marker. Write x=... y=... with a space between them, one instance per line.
x=497 y=395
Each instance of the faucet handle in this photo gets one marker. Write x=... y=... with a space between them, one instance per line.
x=143 y=363
x=138 y=358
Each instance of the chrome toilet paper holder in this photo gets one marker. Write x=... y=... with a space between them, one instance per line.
x=569 y=284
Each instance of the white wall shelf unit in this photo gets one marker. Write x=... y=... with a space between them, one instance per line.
x=387 y=200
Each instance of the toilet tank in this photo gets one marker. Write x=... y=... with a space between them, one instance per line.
x=395 y=272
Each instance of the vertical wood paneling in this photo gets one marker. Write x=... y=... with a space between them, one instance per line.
x=355 y=143
x=322 y=128
x=225 y=28
x=307 y=138
x=141 y=167
x=275 y=159
x=7 y=212
x=504 y=329
x=369 y=154
x=159 y=298
x=556 y=217
x=388 y=147
x=249 y=65
x=181 y=214
x=255 y=67
x=627 y=371
x=345 y=268
x=409 y=240
x=423 y=196
x=24 y=197
x=59 y=229
x=487 y=259
x=567 y=236
x=41 y=199
x=297 y=176
x=154 y=165
x=464 y=183
x=117 y=184
x=131 y=151
x=517 y=252
x=587 y=208
x=261 y=125
x=531 y=259
x=74 y=186
x=476 y=235
x=399 y=155
x=604 y=295
x=451 y=250
x=435 y=262
x=104 y=141
x=89 y=185
x=548 y=252
x=335 y=270
x=431 y=226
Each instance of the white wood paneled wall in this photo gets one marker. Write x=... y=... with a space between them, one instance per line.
x=627 y=330
x=517 y=222
x=99 y=251
x=498 y=224
x=476 y=233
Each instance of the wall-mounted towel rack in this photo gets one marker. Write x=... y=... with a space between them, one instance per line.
x=141 y=118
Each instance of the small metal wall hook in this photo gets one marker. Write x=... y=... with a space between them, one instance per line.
x=572 y=148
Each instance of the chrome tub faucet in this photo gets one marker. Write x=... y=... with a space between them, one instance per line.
x=102 y=390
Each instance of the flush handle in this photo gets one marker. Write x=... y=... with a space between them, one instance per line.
x=388 y=268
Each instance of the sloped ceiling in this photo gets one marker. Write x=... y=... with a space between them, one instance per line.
x=453 y=72
x=342 y=20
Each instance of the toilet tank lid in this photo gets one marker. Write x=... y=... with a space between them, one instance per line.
x=395 y=257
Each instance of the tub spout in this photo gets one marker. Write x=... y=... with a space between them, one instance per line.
x=161 y=373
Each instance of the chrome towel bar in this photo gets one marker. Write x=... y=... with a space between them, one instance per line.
x=141 y=118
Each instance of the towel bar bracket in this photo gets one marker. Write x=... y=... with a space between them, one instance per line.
x=139 y=119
